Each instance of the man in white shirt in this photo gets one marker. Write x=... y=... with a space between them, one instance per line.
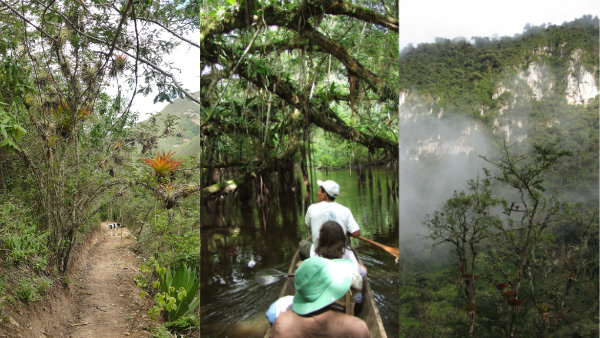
x=326 y=209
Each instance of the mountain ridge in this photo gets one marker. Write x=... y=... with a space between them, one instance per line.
x=510 y=86
x=187 y=129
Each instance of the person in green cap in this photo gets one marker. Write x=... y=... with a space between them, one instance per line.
x=319 y=283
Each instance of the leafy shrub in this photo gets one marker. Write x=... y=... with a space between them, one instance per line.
x=43 y=284
x=182 y=324
x=40 y=263
x=184 y=285
x=186 y=247
x=161 y=332
x=27 y=291
x=172 y=244
x=26 y=245
x=32 y=289
x=4 y=299
x=9 y=126
x=177 y=291
x=21 y=237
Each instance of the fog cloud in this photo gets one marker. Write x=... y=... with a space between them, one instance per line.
x=437 y=156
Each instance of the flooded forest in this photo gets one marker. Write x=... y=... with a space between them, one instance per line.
x=293 y=93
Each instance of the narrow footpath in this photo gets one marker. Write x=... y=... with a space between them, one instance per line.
x=101 y=299
x=108 y=300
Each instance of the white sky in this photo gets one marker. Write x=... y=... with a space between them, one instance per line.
x=187 y=63
x=421 y=21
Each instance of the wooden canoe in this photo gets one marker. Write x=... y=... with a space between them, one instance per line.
x=369 y=313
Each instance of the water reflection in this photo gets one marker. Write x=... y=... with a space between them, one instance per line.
x=242 y=235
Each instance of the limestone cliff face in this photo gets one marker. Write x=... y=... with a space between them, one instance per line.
x=420 y=135
x=537 y=81
x=582 y=85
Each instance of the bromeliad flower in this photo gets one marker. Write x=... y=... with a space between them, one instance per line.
x=162 y=164
x=501 y=286
x=120 y=58
x=168 y=189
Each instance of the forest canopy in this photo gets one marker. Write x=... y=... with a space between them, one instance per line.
x=513 y=251
x=273 y=71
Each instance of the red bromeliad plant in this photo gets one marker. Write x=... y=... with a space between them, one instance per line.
x=162 y=164
x=501 y=286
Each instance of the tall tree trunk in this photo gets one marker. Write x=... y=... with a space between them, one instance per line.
x=303 y=168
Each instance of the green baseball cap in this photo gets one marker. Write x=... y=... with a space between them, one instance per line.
x=319 y=282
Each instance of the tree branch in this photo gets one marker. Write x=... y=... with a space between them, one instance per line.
x=135 y=57
x=238 y=19
x=298 y=21
x=319 y=114
x=171 y=31
x=340 y=7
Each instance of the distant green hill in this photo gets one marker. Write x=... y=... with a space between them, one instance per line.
x=481 y=79
x=541 y=86
x=187 y=130
x=192 y=147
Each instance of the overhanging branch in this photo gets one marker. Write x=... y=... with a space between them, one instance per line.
x=318 y=113
x=135 y=56
x=297 y=21
x=239 y=18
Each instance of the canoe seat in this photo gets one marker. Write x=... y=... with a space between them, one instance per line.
x=346 y=303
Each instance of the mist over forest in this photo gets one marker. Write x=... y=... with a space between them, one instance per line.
x=437 y=157
x=499 y=184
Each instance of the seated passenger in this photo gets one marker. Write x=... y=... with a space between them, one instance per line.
x=319 y=283
x=334 y=244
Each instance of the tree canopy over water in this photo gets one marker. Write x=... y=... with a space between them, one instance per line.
x=275 y=73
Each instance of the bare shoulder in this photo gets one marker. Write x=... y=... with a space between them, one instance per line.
x=354 y=326
x=283 y=324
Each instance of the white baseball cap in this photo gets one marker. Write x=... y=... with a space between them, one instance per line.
x=331 y=188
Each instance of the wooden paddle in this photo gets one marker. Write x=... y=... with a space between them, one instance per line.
x=392 y=251
x=270 y=276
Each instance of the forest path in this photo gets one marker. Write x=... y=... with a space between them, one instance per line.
x=107 y=299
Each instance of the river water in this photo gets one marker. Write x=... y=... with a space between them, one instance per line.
x=242 y=235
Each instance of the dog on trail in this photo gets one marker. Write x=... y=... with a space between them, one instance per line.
x=113 y=227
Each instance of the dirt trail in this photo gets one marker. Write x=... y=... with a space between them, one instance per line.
x=101 y=300
x=108 y=299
